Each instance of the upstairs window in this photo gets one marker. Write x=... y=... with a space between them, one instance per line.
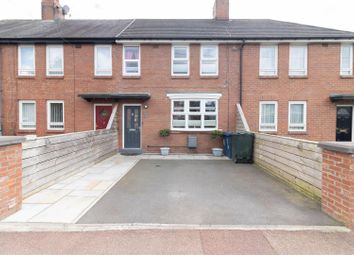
x=297 y=116
x=180 y=60
x=346 y=62
x=55 y=60
x=103 y=60
x=268 y=63
x=298 y=60
x=209 y=60
x=55 y=118
x=27 y=110
x=26 y=60
x=131 y=60
x=268 y=116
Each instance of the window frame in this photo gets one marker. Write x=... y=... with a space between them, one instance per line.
x=292 y=46
x=138 y=61
x=20 y=46
x=350 y=59
x=173 y=59
x=304 y=103
x=49 y=102
x=20 y=122
x=209 y=59
x=275 y=116
x=48 y=70
x=97 y=46
x=276 y=60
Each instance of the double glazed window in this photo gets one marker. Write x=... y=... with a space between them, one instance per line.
x=297 y=116
x=26 y=60
x=268 y=116
x=346 y=62
x=194 y=114
x=268 y=63
x=180 y=60
x=27 y=111
x=298 y=60
x=55 y=60
x=209 y=60
x=103 y=60
x=131 y=60
x=55 y=118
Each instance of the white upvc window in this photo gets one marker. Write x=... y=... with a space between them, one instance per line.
x=346 y=59
x=268 y=60
x=55 y=115
x=298 y=60
x=26 y=60
x=180 y=60
x=297 y=116
x=131 y=60
x=209 y=60
x=55 y=60
x=103 y=60
x=268 y=116
x=27 y=115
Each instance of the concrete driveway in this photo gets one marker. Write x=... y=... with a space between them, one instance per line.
x=206 y=192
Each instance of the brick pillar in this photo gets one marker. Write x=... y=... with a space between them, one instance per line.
x=10 y=175
x=338 y=181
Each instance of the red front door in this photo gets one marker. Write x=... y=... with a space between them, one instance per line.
x=103 y=113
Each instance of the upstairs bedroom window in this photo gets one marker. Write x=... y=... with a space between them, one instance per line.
x=55 y=112
x=27 y=110
x=55 y=60
x=268 y=62
x=103 y=60
x=209 y=60
x=131 y=60
x=26 y=60
x=180 y=60
x=346 y=60
x=268 y=116
x=298 y=60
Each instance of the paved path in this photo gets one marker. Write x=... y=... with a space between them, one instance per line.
x=182 y=242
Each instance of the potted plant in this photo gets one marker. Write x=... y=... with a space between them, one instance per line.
x=216 y=134
x=165 y=150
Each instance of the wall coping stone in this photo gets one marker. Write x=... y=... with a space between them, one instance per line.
x=344 y=147
x=10 y=140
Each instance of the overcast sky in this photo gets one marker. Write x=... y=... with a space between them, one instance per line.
x=326 y=13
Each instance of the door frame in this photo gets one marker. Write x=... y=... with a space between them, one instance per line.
x=123 y=122
x=347 y=105
x=94 y=113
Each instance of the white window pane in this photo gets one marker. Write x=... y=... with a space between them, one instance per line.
x=194 y=106
x=194 y=121
x=268 y=60
x=28 y=115
x=131 y=52
x=55 y=60
x=297 y=114
x=298 y=60
x=346 y=60
x=268 y=114
x=180 y=67
x=178 y=106
x=209 y=52
x=209 y=67
x=27 y=61
x=56 y=116
x=180 y=52
x=210 y=106
x=132 y=67
x=210 y=121
x=103 y=60
x=179 y=121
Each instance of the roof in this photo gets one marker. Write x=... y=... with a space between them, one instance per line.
x=163 y=29
x=115 y=96
x=341 y=97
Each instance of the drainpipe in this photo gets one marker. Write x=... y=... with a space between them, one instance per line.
x=241 y=70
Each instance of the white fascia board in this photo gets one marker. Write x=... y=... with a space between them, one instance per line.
x=194 y=95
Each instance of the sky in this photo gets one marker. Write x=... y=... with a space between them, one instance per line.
x=336 y=14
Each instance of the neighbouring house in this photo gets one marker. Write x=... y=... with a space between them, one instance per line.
x=60 y=76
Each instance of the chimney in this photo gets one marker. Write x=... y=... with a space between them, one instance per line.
x=52 y=10
x=221 y=10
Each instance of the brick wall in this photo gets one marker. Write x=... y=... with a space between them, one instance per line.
x=10 y=176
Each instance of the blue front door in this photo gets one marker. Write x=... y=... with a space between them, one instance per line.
x=132 y=120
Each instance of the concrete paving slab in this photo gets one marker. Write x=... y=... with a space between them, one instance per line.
x=27 y=212
x=46 y=196
x=204 y=192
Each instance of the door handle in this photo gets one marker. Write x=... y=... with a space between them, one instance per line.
x=132 y=129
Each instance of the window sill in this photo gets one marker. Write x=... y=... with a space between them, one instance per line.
x=209 y=77
x=26 y=77
x=268 y=77
x=297 y=132
x=180 y=77
x=191 y=131
x=268 y=132
x=55 y=77
x=347 y=76
x=298 y=77
x=103 y=77
x=137 y=77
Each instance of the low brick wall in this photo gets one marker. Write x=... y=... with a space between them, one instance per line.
x=297 y=162
x=47 y=160
x=10 y=175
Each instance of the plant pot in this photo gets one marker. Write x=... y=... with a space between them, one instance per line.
x=164 y=151
x=217 y=152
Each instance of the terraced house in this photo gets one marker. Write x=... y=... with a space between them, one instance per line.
x=61 y=76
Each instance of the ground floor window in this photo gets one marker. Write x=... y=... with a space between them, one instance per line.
x=27 y=112
x=55 y=111
x=297 y=116
x=268 y=116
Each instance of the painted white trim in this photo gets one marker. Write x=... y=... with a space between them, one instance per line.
x=351 y=60
x=61 y=48
x=94 y=113
x=141 y=124
x=202 y=46
x=139 y=61
x=188 y=59
x=276 y=60
x=48 y=114
x=194 y=95
x=292 y=46
x=304 y=113
x=95 y=56
x=243 y=118
x=20 y=103
x=19 y=59
x=275 y=116
x=111 y=119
